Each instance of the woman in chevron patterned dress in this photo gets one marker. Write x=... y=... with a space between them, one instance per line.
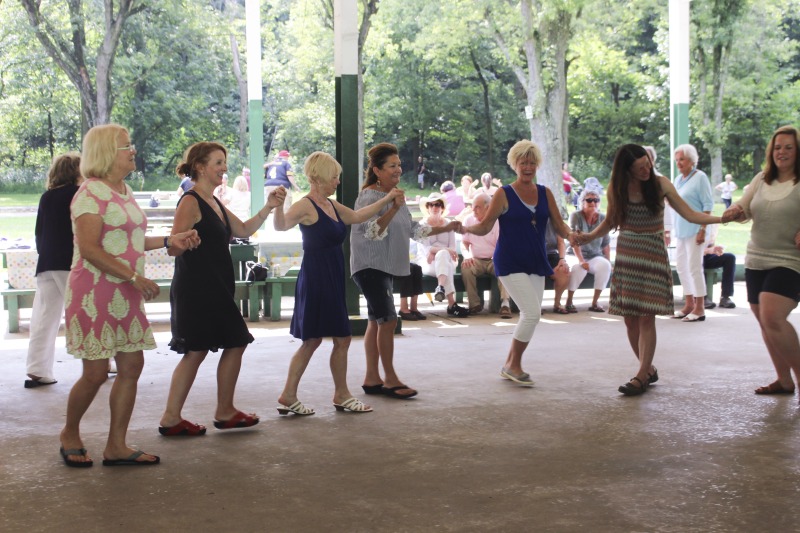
x=641 y=285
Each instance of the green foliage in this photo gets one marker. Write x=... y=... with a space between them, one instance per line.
x=435 y=82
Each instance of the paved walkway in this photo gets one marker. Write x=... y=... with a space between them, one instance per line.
x=699 y=452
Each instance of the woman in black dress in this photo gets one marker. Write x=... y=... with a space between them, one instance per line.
x=204 y=314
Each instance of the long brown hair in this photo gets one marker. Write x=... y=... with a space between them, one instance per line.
x=618 y=199
x=770 y=170
x=197 y=154
x=377 y=157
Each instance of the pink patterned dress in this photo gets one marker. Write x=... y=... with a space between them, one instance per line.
x=105 y=314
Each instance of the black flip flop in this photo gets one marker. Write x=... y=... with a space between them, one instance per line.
x=392 y=392
x=373 y=389
x=131 y=460
x=75 y=451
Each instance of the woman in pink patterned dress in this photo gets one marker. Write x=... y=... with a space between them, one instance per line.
x=105 y=296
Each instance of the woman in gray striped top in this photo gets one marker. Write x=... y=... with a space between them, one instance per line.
x=379 y=252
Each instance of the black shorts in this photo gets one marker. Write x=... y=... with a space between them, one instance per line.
x=782 y=281
x=377 y=288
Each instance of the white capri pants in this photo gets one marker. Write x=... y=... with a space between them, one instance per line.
x=48 y=309
x=599 y=266
x=442 y=264
x=526 y=290
x=689 y=264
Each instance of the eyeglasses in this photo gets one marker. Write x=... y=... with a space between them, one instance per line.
x=440 y=206
x=130 y=147
x=592 y=200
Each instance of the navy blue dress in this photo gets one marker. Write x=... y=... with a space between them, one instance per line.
x=320 y=309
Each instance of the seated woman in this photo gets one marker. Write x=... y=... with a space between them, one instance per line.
x=455 y=203
x=240 y=198
x=437 y=254
x=410 y=289
x=593 y=257
x=486 y=184
x=466 y=191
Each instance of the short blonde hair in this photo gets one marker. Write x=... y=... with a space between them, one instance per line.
x=524 y=149
x=100 y=150
x=321 y=167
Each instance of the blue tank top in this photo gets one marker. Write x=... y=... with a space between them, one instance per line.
x=521 y=245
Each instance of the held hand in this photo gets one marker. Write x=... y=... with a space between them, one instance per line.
x=453 y=255
x=396 y=196
x=276 y=197
x=147 y=287
x=734 y=213
x=562 y=266
x=454 y=225
x=187 y=240
x=576 y=238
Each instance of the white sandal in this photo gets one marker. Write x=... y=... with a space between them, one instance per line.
x=353 y=405
x=297 y=408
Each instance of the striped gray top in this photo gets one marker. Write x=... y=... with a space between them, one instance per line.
x=389 y=254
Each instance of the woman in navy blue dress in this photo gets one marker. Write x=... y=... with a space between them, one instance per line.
x=319 y=305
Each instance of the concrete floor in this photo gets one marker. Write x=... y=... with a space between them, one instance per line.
x=699 y=452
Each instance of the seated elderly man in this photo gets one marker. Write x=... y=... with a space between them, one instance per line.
x=715 y=256
x=593 y=257
x=478 y=251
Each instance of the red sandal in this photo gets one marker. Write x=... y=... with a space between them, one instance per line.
x=239 y=420
x=184 y=428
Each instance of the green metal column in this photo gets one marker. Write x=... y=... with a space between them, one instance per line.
x=345 y=31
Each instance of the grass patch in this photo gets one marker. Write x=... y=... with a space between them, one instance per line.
x=19 y=199
x=733 y=237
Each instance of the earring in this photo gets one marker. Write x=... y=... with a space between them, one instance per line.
x=378 y=183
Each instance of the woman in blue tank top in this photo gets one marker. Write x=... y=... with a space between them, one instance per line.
x=523 y=210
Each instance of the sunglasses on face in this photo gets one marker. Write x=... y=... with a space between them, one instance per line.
x=592 y=200
x=440 y=206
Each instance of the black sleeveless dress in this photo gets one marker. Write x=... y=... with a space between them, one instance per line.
x=204 y=314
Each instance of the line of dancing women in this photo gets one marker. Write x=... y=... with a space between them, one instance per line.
x=106 y=288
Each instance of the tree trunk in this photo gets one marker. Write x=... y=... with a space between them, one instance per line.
x=487 y=112
x=548 y=105
x=96 y=95
x=243 y=101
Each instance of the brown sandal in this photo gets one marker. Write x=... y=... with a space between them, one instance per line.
x=629 y=389
x=774 y=388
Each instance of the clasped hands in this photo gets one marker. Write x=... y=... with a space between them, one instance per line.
x=734 y=213
x=186 y=240
x=277 y=196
